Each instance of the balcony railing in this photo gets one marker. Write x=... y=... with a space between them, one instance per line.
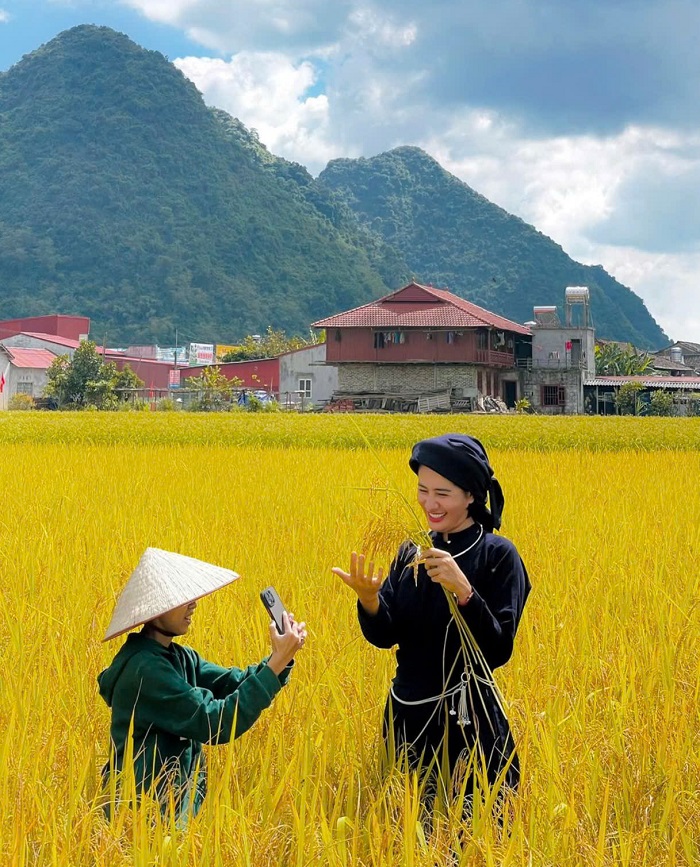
x=490 y=356
x=551 y=364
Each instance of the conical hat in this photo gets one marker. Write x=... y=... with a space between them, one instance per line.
x=161 y=582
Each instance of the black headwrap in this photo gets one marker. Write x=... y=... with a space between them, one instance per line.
x=463 y=460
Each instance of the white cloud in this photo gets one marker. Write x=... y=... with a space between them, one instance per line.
x=541 y=109
x=4 y=16
x=269 y=93
x=668 y=283
x=228 y=26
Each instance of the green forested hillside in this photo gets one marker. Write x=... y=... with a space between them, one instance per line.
x=453 y=237
x=123 y=197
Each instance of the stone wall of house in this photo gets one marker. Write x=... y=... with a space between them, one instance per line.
x=407 y=378
x=572 y=382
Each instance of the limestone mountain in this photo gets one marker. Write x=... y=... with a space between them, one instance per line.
x=123 y=197
x=453 y=237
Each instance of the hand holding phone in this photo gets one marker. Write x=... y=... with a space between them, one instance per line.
x=275 y=607
x=287 y=636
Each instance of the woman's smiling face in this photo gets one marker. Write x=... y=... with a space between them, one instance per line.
x=445 y=505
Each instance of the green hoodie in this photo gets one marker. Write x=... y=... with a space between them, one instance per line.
x=178 y=702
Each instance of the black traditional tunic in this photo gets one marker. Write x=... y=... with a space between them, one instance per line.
x=431 y=660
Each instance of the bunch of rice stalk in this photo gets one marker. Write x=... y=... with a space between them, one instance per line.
x=389 y=527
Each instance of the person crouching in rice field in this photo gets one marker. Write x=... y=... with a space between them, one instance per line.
x=167 y=701
x=443 y=712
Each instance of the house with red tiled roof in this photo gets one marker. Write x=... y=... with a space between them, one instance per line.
x=424 y=340
x=22 y=371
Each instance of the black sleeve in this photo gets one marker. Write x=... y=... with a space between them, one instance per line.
x=380 y=628
x=494 y=614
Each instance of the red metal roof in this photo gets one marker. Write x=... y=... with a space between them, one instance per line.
x=39 y=359
x=425 y=308
x=52 y=338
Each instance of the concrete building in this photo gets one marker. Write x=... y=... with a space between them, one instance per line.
x=305 y=377
x=563 y=356
x=22 y=371
x=297 y=377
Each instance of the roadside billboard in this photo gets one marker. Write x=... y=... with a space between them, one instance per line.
x=201 y=353
x=223 y=348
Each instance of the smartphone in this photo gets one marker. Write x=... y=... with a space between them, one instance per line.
x=275 y=608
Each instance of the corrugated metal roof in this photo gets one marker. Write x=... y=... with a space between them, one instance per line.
x=53 y=338
x=672 y=382
x=449 y=311
x=37 y=359
x=661 y=362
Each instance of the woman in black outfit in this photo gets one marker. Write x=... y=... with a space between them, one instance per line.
x=443 y=702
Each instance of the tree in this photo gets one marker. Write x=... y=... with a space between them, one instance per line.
x=611 y=359
x=628 y=398
x=87 y=380
x=270 y=345
x=216 y=391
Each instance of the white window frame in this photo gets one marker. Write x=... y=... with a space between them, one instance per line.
x=305 y=387
x=25 y=386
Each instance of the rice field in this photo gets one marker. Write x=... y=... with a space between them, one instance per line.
x=602 y=691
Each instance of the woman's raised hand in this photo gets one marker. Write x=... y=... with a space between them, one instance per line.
x=286 y=645
x=363 y=581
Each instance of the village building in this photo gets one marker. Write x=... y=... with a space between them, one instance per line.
x=22 y=371
x=55 y=343
x=427 y=348
x=682 y=352
x=601 y=391
x=563 y=355
x=297 y=378
x=75 y=328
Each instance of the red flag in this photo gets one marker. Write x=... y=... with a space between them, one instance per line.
x=2 y=382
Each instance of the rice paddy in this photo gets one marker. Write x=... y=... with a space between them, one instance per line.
x=603 y=689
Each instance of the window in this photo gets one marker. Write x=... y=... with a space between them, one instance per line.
x=25 y=388
x=305 y=387
x=553 y=395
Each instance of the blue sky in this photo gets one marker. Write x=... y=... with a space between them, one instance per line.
x=580 y=116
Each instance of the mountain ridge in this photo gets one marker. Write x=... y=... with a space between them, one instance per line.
x=125 y=198
x=453 y=236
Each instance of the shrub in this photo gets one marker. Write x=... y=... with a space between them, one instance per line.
x=21 y=401
x=661 y=403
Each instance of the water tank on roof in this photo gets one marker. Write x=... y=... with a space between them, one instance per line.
x=576 y=305
x=676 y=354
x=577 y=293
